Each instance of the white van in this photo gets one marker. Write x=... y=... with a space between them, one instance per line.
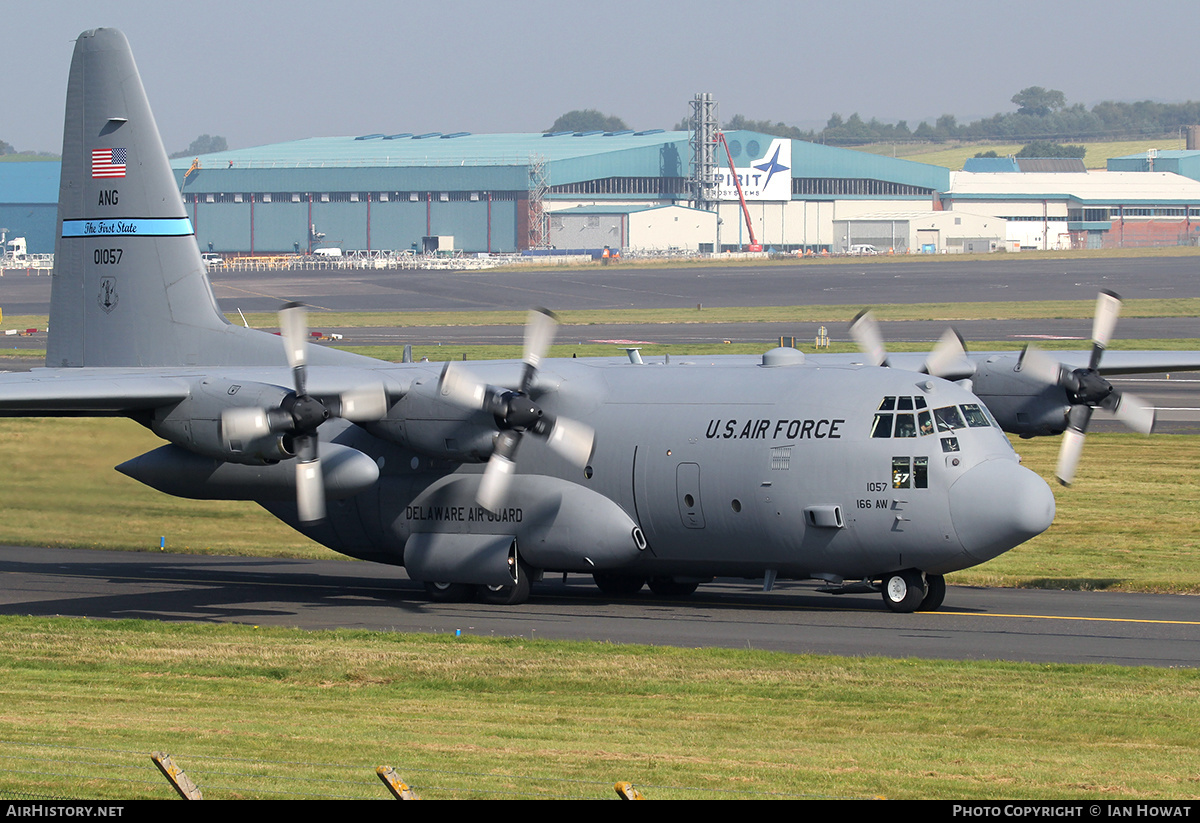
x=863 y=248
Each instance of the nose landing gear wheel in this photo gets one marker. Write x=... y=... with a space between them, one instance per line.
x=904 y=591
x=936 y=585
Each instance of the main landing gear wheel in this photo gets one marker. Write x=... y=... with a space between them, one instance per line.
x=508 y=595
x=449 y=592
x=670 y=587
x=936 y=585
x=904 y=591
x=619 y=585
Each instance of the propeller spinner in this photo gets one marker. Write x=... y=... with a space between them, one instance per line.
x=516 y=413
x=299 y=415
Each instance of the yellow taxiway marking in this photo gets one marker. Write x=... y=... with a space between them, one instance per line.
x=1069 y=617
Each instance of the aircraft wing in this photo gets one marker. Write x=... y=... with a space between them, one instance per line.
x=1114 y=362
x=86 y=392
x=1133 y=362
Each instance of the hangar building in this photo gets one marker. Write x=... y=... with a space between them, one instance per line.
x=1099 y=209
x=505 y=193
x=388 y=192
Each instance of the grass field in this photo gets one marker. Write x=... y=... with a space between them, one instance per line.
x=256 y=712
x=952 y=156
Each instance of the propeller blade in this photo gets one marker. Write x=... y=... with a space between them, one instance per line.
x=865 y=332
x=1131 y=410
x=1037 y=363
x=310 y=491
x=1068 y=456
x=459 y=387
x=539 y=335
x=293 y=328
x=497 y=477
x=1108 y=309
x=1078 y=417
x=244 y=424
x=572 y=440
x=948 y=358
x=363 y=404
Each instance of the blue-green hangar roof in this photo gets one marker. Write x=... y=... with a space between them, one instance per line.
x=501 y=162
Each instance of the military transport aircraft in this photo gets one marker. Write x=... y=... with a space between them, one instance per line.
x=479 y=478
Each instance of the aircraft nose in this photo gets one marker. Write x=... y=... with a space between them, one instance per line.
x=998 y=505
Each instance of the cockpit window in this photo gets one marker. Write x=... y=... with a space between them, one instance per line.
x=949 y=419
x=882 y=426
x=975 y=416
x=910 y=417
x=926 y=422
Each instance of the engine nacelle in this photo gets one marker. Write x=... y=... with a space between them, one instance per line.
x=1021 y=403
x=428 y=424
x=195 y=423
x=170 y=469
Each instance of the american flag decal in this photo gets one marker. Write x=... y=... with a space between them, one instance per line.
x=109 y=162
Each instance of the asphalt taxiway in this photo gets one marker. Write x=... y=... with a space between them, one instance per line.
x=974 y=624
x=848 y=283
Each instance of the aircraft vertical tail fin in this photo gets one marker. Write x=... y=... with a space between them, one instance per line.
x=130 y=288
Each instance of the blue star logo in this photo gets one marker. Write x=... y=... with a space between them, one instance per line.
x=771 y=166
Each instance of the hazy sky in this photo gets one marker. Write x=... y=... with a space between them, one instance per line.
x=261 y=71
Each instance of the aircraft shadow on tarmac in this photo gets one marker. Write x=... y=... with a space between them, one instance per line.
x=251 y=590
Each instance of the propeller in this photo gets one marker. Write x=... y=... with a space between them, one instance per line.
x=299 y=415
x=947 y=358
x=1086 y=389
x=516 y=413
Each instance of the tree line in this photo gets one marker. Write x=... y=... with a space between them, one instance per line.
x=1042 y=114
